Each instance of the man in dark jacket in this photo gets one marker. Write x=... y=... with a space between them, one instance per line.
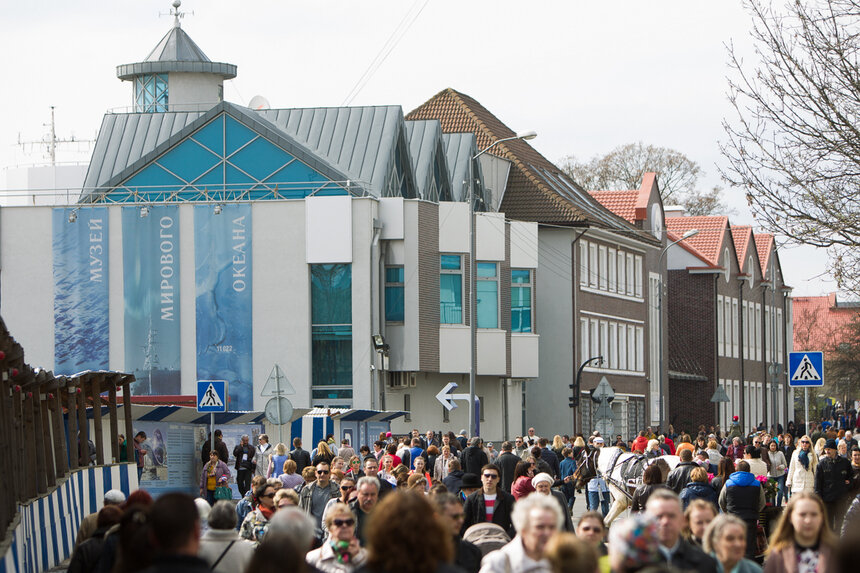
x=371 y=468
x=449 y=510
x=743 y=496
x=454 y=480
x=175 y=532
x=665 y=507
x=220 y=447
x=244 y=453
x=549 y=457
x=490 y=503
x=300 y=456
x=473 y=457
x=507 y=462
x=680 y=476
x=833 y=483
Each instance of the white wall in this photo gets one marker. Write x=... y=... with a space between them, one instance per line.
x=453 y=227
x=186 y=91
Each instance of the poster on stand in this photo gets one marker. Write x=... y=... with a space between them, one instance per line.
x=80 y=264
x=222 y=261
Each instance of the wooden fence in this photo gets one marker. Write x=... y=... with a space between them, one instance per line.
x=44 y=434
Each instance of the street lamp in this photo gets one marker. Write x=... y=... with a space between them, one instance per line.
x=473 y=332
x=686 y=235
x=577 y=388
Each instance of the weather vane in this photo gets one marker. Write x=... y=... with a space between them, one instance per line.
x=177 y=15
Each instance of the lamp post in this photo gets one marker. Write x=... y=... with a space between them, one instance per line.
x=687 y=235
x=473 y=333
x=577 y=389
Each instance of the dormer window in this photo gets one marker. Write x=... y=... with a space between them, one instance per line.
x=657 y=221
x=727 y=265
x=150 y=93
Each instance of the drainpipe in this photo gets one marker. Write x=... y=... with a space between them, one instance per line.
x=577 y=422
x=741 y=342
x=716 y=339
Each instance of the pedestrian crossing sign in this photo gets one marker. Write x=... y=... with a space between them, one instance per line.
x=806 y=369
x=211 y=396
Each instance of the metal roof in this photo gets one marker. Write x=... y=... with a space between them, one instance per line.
x=424 y=138
x=459 y=150
x=176 y=52
x=360 y=141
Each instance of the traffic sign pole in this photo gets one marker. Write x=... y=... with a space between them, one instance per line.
x=806 y=406
x=211 y=431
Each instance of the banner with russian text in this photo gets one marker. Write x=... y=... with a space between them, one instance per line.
x=150 y=260
x=222 y=261
x=80 y=253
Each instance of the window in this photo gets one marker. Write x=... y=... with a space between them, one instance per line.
x=604 y=339
x=638 y=275
x=394 y=294
x=779 y=335
x=622 y=347
x=631 y=347
x=745 y=330
x=631 y=275
x=583 y=324
x=583 y=263
x=331 y=332
x=521 y=300
x=595 y=339
x=734 y=328
x=592 y=265
x=758 y=331
x=613 y=346
x=488 y=295
x=640 y=349
x=603 y=274
x=613 y=270
x=150 y=93
x=622 y=273
x=451 y=290
x=720 y=322
x=407 y=407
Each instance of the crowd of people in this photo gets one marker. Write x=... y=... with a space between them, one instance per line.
x=438 y=503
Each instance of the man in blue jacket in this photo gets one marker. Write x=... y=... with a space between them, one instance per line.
x=743 y=496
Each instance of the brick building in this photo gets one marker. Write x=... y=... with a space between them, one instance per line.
x=728 y=325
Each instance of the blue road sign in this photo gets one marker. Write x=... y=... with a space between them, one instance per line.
x=805 y=369
x=211 y=395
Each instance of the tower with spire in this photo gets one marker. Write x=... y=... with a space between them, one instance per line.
x=176 y=75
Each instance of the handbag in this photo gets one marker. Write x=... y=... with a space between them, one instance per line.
x=223 y=492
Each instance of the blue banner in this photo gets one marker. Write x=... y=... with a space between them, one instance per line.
x=222 y=259
x=150 y=259
x=80 y=249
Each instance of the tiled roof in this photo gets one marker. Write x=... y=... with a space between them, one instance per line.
x=537 y=190
x=819 y=322
x=741 y=237
x=763 y=244
x=711 y=236
x=622 y=203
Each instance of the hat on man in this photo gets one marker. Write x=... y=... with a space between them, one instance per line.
x=598 y=440
x=471 y=481
x=734 y=418
x=114 y=496
x=830 y=444
x=462 y=432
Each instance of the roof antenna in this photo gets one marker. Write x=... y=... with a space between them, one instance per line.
x=177 y=15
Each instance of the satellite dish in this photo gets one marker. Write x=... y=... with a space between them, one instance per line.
x=259 y=102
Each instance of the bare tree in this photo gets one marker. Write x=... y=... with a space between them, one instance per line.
x=624 y=166
x=795 y=144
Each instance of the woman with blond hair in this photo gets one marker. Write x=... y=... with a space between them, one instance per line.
x=726 y=540
x=801 y=469
x=557 y=446
x=440 y=467
x=323 y=455
x=802 y=541
x=340 y=552
x=276 y=461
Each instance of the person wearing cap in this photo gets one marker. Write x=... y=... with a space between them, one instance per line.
x=89 y=524
x=597 y=490
x=543 y=485
x=833 y=483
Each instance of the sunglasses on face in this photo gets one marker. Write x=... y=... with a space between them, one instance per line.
x=272 y=494
x=491 y=476
x=347 y=487
x=322 y=472
x=343 y=522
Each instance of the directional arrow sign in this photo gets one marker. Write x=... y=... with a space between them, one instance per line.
x=447 y=399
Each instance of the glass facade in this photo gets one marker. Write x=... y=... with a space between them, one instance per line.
x=394 y=294
x=331 y=332
x=225 y=160
x=150 y=93
x=521 y=300
x=487 y=289
x=451 y=290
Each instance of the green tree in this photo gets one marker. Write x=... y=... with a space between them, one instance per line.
x=624 y=166
x=794 y=144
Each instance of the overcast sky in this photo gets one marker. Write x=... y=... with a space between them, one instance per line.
x=587 y=76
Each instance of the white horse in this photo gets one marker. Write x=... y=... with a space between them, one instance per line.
x=622 y=471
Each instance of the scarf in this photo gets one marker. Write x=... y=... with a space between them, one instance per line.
x=341 y=550
x=803 y=456
x=267 y=513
